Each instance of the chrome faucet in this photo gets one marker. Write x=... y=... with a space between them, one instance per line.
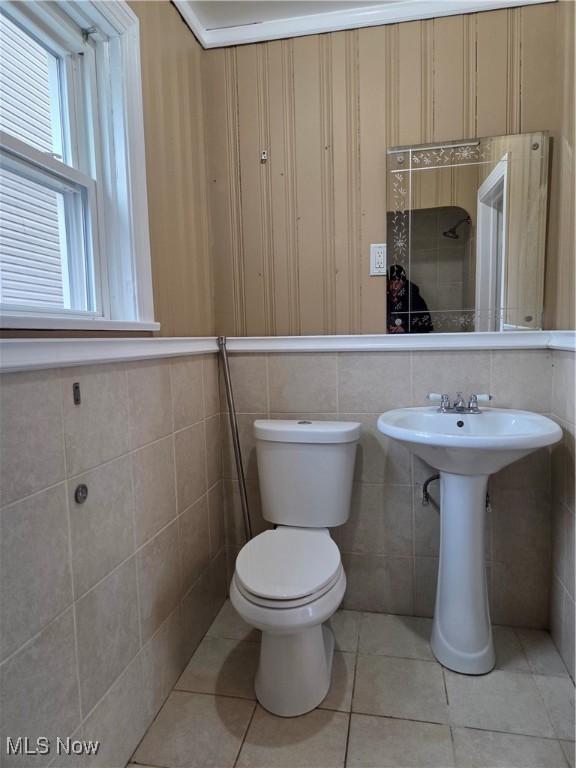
x=459 y=404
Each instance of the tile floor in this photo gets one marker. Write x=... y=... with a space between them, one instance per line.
x=391 y=704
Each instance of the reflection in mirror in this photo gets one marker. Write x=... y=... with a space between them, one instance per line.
x=466 y=235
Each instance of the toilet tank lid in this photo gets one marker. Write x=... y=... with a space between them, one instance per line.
x=306 y=431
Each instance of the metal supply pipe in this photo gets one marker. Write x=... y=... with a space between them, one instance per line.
x=235 y=438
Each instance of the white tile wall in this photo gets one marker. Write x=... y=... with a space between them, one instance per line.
x=563 y=494
x=390 y=544
x=102 y=604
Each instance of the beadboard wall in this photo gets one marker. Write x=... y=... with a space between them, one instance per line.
x=290 y=237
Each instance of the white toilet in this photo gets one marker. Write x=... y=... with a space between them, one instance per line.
x=289 y=581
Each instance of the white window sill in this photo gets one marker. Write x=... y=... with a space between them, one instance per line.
x=75 y=323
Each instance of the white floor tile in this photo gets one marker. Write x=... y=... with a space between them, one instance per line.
x=222 y=666
x=346 y=625
x=340 y=694
x=196 y=731
x=230 y=625
x=405 y=688
x=541 y=652
x=377 y=742
x=568 y=747
x=509 y=651
x=309 y=741
x=499 y=701
x=478 y=749
x=558 y=695
x=405 y=636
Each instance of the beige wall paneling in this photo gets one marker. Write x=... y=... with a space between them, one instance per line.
x=547 y=83
x=311 y=223
x=538 y=68
x=285 y=318
x=256 y=221
x=411 y=83
x=514 y=71
x=492 y=82
x=216 y=106
x=328 y=107
x=221 y=104
x=343 y=193
x=175 y=164
x=285 y=248
x=373 y=142
x=560 y=287
x=449 y=81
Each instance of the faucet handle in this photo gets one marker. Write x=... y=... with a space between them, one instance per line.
x=435 y=397
x=475 y=399
x=444 y=399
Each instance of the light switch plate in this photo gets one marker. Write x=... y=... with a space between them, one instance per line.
x=378 y=259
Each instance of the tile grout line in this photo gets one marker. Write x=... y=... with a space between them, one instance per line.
x=70 y=555
x=135 y=550
x=67 y=478
x=448 y=724
x=356 y=656
x=255 y=707
x=449 y=713
x=134 y=536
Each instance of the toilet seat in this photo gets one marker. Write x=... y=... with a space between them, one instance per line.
x=287 y=567
x=284 y=604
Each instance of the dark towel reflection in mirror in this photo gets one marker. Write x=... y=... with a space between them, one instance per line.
x=406 y=310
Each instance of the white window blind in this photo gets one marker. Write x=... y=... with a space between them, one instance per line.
x=30 y=91
x=32 y=250
x=33 y=253
x=74 y=247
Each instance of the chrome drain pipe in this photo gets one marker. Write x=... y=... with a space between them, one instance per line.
x=426 y=494
x=235 y=438
x=425 y=491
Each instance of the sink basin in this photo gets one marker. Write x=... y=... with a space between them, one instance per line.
x=469 y=444
x=466 y=449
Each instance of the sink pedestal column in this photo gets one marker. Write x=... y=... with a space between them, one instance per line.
x=461 y=631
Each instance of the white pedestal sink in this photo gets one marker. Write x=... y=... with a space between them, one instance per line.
x=466 y=448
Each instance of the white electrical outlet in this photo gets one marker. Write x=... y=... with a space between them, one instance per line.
x=378 y=259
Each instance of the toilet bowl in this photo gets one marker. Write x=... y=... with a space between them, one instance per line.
x=289 y=581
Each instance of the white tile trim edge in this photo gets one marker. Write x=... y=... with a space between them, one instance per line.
x=414 y=342
x=31 y=354
x=332 y=21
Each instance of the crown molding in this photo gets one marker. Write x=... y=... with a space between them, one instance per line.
x=333 y=21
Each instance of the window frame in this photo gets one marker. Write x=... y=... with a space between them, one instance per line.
x=111 y=88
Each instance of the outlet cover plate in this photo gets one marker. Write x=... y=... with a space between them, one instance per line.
x=378 y=259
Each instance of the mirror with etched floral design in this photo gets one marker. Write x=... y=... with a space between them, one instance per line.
x=466 y=232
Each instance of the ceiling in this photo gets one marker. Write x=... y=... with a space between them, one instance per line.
x=219 y=23
x=214 y=15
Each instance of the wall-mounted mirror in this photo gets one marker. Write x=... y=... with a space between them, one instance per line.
x=466 y=234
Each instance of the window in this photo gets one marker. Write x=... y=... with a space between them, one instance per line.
x=74 y=245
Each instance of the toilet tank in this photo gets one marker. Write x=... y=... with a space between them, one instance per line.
x=305 y=469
